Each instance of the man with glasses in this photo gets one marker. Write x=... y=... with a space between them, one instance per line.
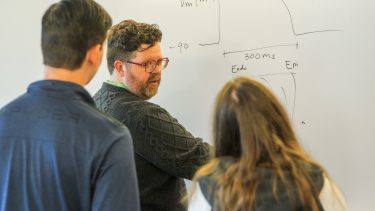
x=165 y=152
x=57 y=151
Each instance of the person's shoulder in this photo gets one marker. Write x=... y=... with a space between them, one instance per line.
x=210 y=179
x=19 y=100
x=95 y=122
x=106 y=130
x=155 y=108
x=14 y=105
x=95 y=116
x=122 y=101
x=144 y=104
x=144 y=108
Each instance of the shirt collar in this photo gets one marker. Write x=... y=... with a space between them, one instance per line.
x=61 y=89
x=121 y=85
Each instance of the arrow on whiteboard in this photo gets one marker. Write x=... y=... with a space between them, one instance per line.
x=266 y=47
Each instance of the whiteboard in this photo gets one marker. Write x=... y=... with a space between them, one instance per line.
x=315 y=55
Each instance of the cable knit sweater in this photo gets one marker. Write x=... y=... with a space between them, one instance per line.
x=165 y=152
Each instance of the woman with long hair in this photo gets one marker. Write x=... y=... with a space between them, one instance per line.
x=258 y=162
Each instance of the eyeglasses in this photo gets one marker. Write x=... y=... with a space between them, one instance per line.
x=151 y=65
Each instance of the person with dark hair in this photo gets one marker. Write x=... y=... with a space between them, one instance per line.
x=57 y=151
x=258 y=163
x=165 y=152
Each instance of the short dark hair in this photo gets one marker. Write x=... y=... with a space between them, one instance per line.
x=126 y=37
x=69 y=29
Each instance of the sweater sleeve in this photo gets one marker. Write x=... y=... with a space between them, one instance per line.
x=163 y=141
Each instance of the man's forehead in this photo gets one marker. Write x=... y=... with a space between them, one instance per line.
x=144 y=47
x=149 y=52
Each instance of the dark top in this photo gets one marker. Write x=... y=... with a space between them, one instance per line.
x=265 y=200
x=165 y=152
x=57 y=152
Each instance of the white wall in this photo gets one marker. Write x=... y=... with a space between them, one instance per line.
x=329 y=95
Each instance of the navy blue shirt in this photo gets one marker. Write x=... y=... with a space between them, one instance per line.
x=57 y=152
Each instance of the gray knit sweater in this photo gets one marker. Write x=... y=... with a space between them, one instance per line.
x=165 y=152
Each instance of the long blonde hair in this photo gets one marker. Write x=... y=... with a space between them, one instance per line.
x=251 y=126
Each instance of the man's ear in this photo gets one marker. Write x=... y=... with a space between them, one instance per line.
x=94 y=54
x=119 y=68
